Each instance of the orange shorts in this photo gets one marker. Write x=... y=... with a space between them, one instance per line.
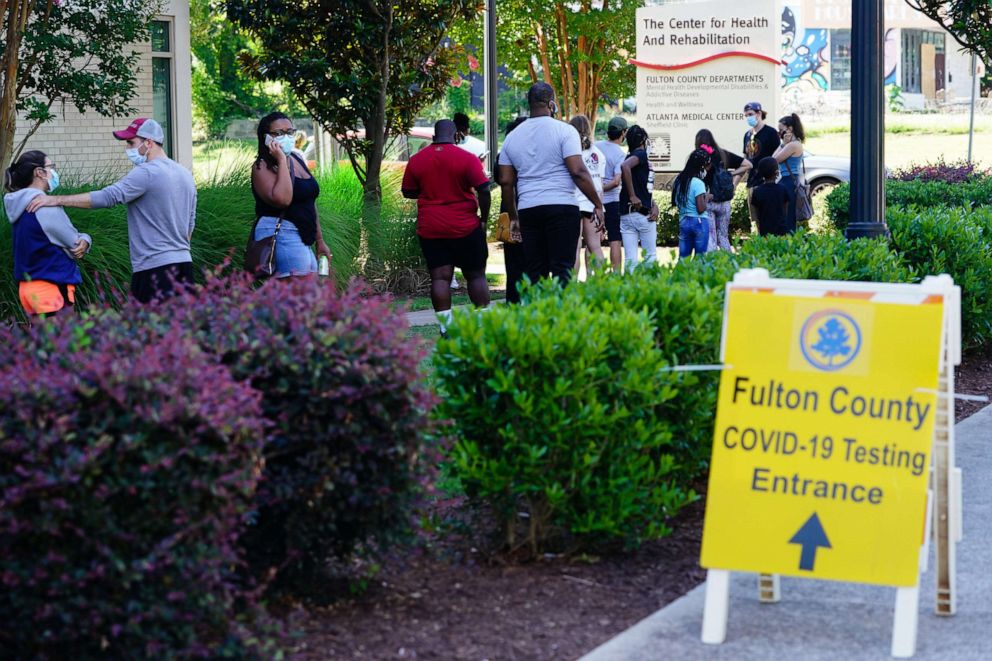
x=43 y=297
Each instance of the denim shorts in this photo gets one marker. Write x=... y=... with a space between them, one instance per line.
x=292 y=256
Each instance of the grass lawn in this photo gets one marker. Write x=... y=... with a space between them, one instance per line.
x=909 y=138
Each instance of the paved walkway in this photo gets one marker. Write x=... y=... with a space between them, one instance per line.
x=832 y=621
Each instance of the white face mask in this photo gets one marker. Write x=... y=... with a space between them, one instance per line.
x=136 y=156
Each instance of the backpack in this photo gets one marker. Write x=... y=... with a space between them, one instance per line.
x=723 y=184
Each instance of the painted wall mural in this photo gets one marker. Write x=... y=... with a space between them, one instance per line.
x=806 y=58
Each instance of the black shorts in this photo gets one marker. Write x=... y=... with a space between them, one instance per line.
x=161 y=281
x=612 y=221
x=469 y=253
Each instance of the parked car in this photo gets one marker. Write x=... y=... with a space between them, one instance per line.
x=825 y=172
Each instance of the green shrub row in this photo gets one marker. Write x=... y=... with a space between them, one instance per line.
x=956 y=241
x=923 y=194
x=553 y=425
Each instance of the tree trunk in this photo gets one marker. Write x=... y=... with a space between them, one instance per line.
x=16 y=13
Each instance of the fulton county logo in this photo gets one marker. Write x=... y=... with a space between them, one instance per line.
x=830 y=340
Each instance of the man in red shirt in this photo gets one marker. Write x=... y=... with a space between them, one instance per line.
x=446 y=180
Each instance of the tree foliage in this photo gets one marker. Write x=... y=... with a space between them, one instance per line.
x=356 y=64
x=55 y=53
x=580 y=48
x=222 y=89
x=968 y=21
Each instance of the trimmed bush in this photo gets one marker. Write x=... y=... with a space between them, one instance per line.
x=557 y=411
x=956 y=242
x=955 y=172
x=824 y=257
x=974 y=193
x=123 y=481
x=341 y=385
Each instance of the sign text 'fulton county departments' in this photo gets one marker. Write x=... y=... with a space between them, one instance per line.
x=821 y=445
x=697 y=65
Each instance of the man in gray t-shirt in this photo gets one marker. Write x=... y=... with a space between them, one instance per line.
x=541 y=161
x=615 y=155
x=161 y=211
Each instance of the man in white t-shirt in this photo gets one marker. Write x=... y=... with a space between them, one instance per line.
x=465 y=139
x=542 y=161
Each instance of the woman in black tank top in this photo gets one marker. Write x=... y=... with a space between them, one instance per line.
x=285 y=196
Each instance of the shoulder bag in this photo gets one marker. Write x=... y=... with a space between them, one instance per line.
x=503 y=229
x=260 y=254
x=804 y=201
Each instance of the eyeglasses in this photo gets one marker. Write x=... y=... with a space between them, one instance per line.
x=279 y=134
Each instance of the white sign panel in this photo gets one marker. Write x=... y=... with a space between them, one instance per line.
x=698 y=64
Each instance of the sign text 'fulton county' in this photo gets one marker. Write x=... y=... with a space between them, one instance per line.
x=821 y=444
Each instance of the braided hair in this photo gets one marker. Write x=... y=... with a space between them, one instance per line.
x=636 y=137
x=697 y=160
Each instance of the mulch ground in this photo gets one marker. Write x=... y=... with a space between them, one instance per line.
x=448 y=600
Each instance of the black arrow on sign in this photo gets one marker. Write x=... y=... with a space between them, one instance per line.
x=810 y=536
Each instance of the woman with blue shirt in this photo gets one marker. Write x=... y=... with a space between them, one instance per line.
x=789 y=156
x=689 y=196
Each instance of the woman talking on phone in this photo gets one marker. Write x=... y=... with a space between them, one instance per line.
x=285 y=199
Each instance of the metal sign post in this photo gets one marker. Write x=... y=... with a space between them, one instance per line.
x=867 y=120
x=492 y=86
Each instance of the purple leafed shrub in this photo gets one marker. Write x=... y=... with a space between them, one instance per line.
x=955 y=172
x=341 y=385
x=128 y=458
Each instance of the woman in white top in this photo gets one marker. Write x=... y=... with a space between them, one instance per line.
x=593 y=230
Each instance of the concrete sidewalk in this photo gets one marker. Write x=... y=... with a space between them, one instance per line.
x=841 y=621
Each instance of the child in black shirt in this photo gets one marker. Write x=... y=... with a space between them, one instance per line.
x=771 y=201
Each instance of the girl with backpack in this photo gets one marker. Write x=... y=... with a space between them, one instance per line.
x=720 y=182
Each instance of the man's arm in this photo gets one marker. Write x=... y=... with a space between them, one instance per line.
x=77 y=201
x=627 y=168
x=409 y=187
x=612 y=183
x=485 y=202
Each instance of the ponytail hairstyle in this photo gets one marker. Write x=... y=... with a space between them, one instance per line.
x=697 y=160
x=264 y=125
x=792 y=121
x=20 y=174
x=582 y=125
x=705 y=137
x=636 y=137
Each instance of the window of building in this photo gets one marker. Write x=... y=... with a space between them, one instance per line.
x=911 y=64
x=840 y=59
x=162 y=83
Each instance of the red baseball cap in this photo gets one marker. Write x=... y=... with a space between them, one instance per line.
x=144 y=128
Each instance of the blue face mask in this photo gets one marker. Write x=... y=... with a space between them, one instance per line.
x=752 y=121
x=285 y=142
x=53 y=181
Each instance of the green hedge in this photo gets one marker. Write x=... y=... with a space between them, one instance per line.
x=957 y=242
x=531 y=390
x=968 y=194
x=559 y=412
